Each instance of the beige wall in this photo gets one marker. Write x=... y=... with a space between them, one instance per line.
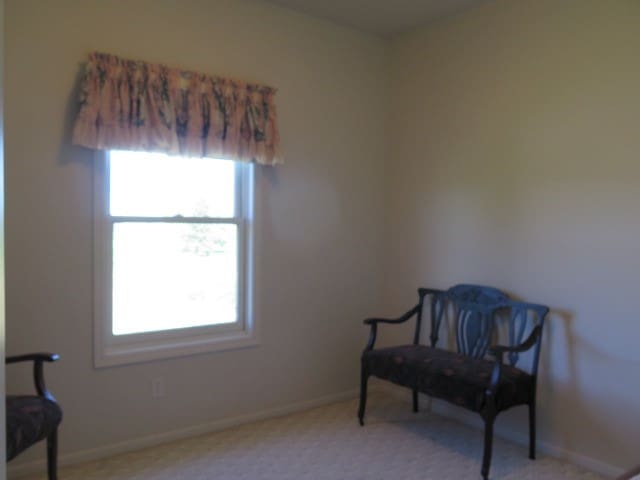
x=514 y=162
x=319 y=269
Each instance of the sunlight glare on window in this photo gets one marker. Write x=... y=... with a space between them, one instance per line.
x=168 y=276
x=158 y=185
x=172 y=268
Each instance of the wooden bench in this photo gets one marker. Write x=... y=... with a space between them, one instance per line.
x=476 y=315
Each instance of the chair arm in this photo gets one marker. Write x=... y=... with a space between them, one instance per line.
x=42 y=357
x=38 y=373
x=499 y=350
x=375 y=321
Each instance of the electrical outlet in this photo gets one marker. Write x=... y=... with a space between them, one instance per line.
x=158 y=388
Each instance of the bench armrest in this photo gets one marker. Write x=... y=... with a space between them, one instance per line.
x=38 y=373
x=373 y=322
x=499 y=350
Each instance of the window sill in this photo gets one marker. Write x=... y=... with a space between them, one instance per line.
x=126 y=354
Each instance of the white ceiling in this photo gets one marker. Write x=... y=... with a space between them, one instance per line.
x=381 y=17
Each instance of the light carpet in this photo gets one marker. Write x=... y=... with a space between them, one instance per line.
x=328 y=444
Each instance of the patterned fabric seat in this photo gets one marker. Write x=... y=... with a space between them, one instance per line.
x=29 y=419
x=452 y=376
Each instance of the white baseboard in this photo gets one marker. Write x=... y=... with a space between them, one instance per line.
x=29 y=468
x=388 y=388
x=401 y=393
x=442 y=408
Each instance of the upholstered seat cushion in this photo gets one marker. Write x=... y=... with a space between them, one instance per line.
x=458 y=378
x=29 y=420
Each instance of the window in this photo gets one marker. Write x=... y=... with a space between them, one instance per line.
x=172 y=256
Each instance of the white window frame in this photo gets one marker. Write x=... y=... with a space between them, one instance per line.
x=111 y=350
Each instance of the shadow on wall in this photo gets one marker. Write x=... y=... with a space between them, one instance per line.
x=571 y=396
x=67 y=152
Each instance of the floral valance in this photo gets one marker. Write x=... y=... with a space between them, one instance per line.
x=132 y=105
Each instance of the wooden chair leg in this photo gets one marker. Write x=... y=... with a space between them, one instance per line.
x=532 y=430
x=415 y=400
x=52 y=455
x=488 y=444
x=364 y=377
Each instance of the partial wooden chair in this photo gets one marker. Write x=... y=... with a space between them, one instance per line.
x=31 y=418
